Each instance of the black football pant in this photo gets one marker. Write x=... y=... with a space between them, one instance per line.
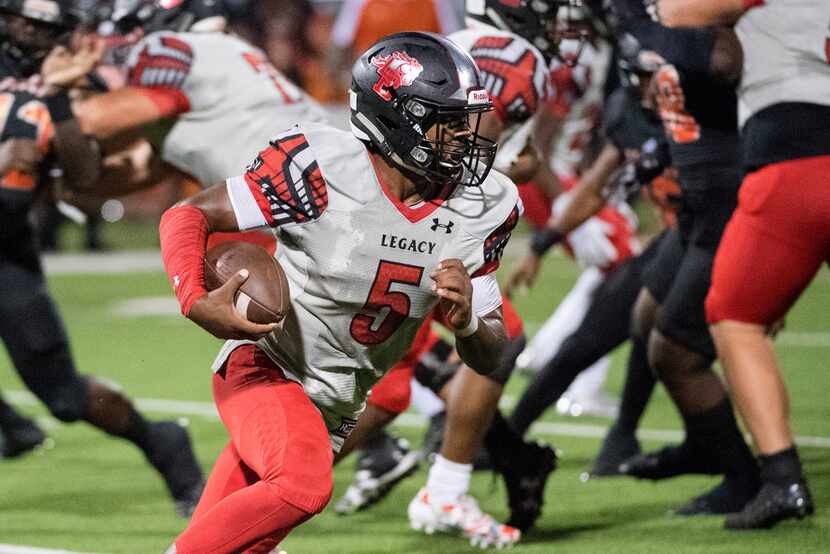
x=606 y=325
x=34 y=335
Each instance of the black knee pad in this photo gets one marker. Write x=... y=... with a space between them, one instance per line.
x=512 y=348
x=434 y=370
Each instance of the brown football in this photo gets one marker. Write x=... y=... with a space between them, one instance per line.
x=264 y=297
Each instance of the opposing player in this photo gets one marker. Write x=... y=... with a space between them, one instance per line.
x=342 y=206
x=697 y=103
x=777 y=238
x=633 y=156
x=41 y=119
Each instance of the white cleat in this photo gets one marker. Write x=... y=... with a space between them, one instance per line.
x=463 y=517
x=597 y=405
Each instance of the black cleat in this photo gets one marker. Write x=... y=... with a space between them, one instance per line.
x=525 y=477
x=617 y=447
x=378 y=470
x=20 y=438
x=670 y=461
x=172 y=455
x=726 y=498
x=772 y=504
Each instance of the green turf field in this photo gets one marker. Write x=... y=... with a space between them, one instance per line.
x=92 y=494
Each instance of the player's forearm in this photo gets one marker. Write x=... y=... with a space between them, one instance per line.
x=587 y=198
x=78 y=156
x=482 y=350
x=106 y=115
x=701 y=13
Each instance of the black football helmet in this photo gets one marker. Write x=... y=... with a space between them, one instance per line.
x=166 y=15
x=540 y=22
x=29 y=29
x=409 y=83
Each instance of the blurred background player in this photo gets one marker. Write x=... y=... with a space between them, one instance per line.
x=633 y=156
x=695 y=93
x=189 y=86
x=41 y=115
x=335 y=343
x=777 y=238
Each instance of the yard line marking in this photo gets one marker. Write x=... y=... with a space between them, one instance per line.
x=124 y=261
x=18 y=549
x=408 y=419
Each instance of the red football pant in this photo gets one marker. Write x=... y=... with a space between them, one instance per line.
x=275 y=472
x=774 y=244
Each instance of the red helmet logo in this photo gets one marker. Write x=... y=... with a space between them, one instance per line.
x=396 y=70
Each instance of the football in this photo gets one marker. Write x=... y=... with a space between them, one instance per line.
x=263 y=297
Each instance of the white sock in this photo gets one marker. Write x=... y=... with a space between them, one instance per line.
x=424 y=400
x=448 y=480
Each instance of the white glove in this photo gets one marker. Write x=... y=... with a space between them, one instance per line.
x=591 y=244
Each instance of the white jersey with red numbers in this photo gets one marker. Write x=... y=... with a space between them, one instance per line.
x=514 y=72
x=577 y=99
x=226 y=98
x=358 y=261
x=786 y=46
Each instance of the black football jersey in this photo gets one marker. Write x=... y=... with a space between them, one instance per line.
x=627 y=124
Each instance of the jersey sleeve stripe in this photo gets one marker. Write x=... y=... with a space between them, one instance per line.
x=249 y=215
x=495 y=243
x=286 y=182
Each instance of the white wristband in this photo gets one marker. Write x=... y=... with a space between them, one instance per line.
x=470 y=329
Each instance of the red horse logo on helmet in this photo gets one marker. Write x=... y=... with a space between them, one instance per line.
x=396 y=70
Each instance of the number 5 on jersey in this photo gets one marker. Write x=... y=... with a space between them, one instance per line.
x=390 y=308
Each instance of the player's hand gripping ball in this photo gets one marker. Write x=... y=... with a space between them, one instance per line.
x=263 y=297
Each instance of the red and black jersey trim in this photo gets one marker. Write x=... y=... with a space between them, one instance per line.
x=511 y=75
x=287 y=183
x=495 y=244
x=163 y=61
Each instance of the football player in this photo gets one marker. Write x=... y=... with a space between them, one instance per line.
x=189 y=87
x=354 y=214
x=632 y=156
x=40 y=118
x=777 y=238
x=695 y=93
x=507 y=44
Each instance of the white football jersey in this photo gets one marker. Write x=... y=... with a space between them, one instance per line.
x=578 y=99
x=231 y=100
x=515 y=75
x=786 y=45
x=357 y=260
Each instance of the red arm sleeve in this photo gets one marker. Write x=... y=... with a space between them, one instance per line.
x=183 y=232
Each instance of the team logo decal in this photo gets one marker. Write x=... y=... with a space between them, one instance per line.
x=396 y=70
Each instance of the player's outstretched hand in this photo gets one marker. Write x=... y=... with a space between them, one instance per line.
x=216 y=313
x=524 y=274
x=64 y=68
x=452 y=284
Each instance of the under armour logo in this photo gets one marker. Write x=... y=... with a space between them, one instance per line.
x=176 y=281
x=436 y=224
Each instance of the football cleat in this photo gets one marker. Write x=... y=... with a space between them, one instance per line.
x=22 y=437
x=617 y=447
x=464 y=517
x=525 y=477
x=670 y=461
x=772 y=504
x=433 y=436
x=378 y=471
x=726 y=498
x=172 y=455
